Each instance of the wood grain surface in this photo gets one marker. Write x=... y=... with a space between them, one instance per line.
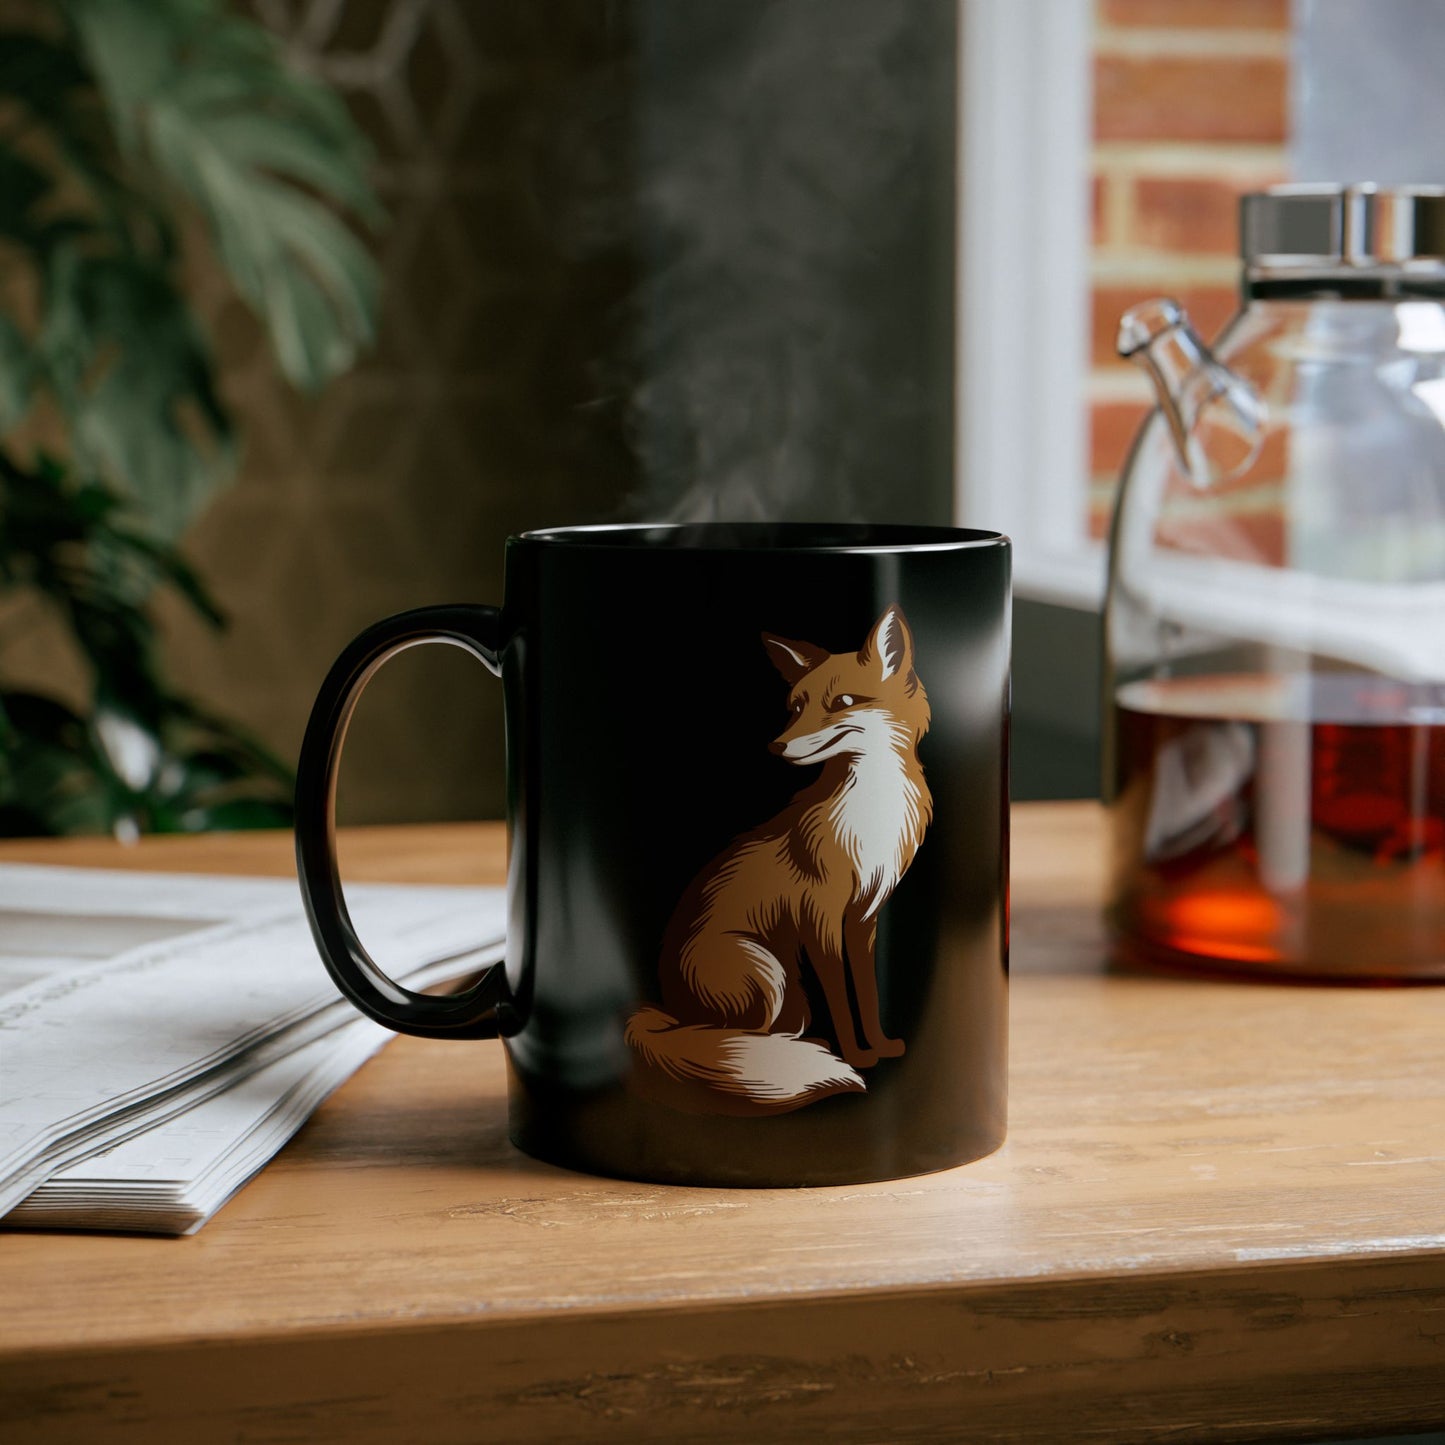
x=1220 y=1214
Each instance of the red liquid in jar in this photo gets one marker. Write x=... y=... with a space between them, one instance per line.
x=1287 y=825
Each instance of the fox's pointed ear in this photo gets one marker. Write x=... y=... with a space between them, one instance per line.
x=889 y=648
x=792 y=659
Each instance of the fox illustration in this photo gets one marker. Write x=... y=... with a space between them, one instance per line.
x=808 y=884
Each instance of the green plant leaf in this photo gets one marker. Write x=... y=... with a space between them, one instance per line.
x=112 y=117
x=208 y=731
x=61 y=773
x=168 y=565
x=49 y=783
x=38 y=72
x=22 y=186
x=134 y=377
x=17 y=370
x=265 y=153
x=236 y=813
x=74 y=547
x=53 y=94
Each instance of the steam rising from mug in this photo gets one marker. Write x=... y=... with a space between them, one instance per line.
x=789 y=337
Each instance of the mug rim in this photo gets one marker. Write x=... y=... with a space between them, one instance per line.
x=774 y=537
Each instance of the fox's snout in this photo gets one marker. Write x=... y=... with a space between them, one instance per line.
x=782 y=744
x=812 y=744
x=802 y=736
x=796 y=739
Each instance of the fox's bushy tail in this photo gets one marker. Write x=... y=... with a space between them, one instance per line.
x=734 y=1071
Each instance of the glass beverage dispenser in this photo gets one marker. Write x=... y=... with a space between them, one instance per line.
x=1275 y=625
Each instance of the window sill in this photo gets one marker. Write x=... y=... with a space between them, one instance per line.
x=1073 y=578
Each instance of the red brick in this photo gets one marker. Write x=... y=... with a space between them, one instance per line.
x=1112 y=428
x=1101 y=515
x=1268 y=470
x=1245 y=536
x=1097 y=200
x=1272 y=464
x=1196 y=98
x=1198 y=14
x=1188 y=213
x=1209 y=307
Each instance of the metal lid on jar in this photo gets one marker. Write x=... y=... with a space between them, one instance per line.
x=1328 y=228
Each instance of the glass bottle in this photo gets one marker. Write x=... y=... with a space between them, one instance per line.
x=1275 y=623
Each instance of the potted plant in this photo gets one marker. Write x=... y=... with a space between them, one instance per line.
x=130 y=129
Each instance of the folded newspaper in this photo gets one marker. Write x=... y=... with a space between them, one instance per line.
x=161 y=1036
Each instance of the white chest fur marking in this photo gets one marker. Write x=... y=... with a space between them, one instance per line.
x=875 y=816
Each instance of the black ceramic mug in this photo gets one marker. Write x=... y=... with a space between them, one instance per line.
x=758 y=878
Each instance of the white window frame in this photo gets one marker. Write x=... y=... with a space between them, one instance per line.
x=1025 y=120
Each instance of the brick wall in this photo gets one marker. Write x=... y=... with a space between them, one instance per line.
x=1190 y=110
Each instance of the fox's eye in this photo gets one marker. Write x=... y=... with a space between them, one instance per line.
x=844 y=699
x=796 y=707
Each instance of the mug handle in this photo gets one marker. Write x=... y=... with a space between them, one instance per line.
x=471 y=1014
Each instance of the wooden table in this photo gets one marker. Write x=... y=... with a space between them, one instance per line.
x=1220 y=1214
